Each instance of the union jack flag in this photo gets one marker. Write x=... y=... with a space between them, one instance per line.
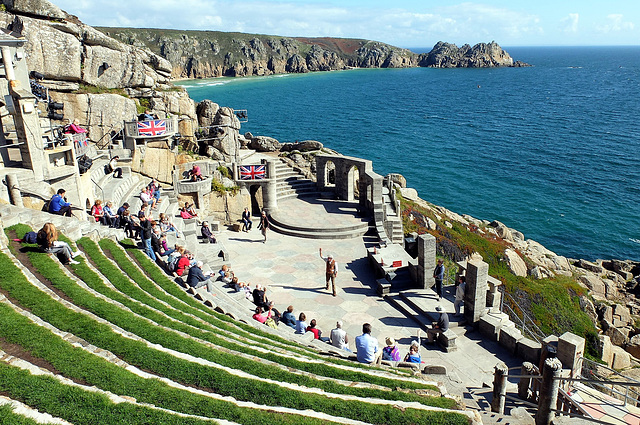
x=152 y=128
x=252 y=172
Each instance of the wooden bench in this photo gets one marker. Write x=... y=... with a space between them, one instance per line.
x=447 y=340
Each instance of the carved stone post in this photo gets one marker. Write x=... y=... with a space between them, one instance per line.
x=548 y=391
x=270 y=195
x=499 y=388
x=525 y=383
x=475 y=300
x=426 y=260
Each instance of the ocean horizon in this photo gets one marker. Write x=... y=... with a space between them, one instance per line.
x=550 y=150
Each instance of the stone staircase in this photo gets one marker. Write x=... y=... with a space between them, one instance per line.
x=291 y=183
x=345 y=232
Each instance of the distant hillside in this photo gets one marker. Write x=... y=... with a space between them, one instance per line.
x=204 y=54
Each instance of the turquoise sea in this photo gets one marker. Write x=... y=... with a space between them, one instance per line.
x=552 y=150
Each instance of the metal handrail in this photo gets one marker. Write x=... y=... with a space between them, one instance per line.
x=109 y=139
x=101 y=190
x=525 y=323
x=589 y=369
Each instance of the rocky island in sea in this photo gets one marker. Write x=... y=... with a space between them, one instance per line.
x=104 y=82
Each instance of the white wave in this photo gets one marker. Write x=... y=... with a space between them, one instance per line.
x=634 y=240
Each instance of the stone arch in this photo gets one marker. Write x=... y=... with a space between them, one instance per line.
x=353 y=182
x=257 y=201
x=330 y=174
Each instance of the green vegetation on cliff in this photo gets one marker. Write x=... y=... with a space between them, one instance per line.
x=553 y=303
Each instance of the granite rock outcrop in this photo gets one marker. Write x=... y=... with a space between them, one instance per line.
x=482 y=55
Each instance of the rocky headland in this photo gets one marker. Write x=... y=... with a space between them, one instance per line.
x=205 y=54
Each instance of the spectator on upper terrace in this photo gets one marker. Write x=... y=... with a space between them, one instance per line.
x=196 y=278
x=59 y=205
x=367 y=346
x=147 y=233
x=147 y=199
x=288 y=318
x=47 y=239
x=74 y=127
x=191 y=209
x=97 y=212
x=110 y=218
x=442 y=325
x=301 y=325
x=154 y=190
x=166 y=225
x=112 y=167
x=195 y=174
x=207 y=236
x=147 y=116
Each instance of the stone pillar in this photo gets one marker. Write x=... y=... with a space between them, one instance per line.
x=525 y=383
x=321 y=177
x=269 y=194
x=426 y=260
x=548 y=391
x=28 y=130
x=500 y=376
x=475 y=298
x=14 y=192
x=494 y=297
x=570 y=352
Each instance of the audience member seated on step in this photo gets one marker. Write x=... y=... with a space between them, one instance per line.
x=147 y=199
x=174 y=257
x=339 y=338
x=207 y=236
x=183 y=263
x=391 y=351
x=248 y=292
x=97 y=212
x=301 y=325
x=367 y=348
x=197 y=279
x=288 y=318
x=317 y=333
x=276 y=314
x=442 y=325
x=120 y=212
x=154 y=190
x=260 y=297
x=246 y=220
x=59 y=205
x=131 y=225
x=157 y=244
x=112 y=167
x=47 y=239
x=268 y=320
x=147 y=233
x=413 y=356
x=195 y=174
x=74 y=128
x=226 y=275
x=110 y=217
x=167 y=226
x=191 y=209
x=185 y=214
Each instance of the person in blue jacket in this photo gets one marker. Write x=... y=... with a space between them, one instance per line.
x=58 y=205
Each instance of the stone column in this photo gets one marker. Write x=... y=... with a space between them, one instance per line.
x=475 y=298
x=525 y=383
x=548 y=391
x=500 y=375
x=321 y=178
x=14 y=192
x=269 y=194
x=426 y=260
x=570 y=352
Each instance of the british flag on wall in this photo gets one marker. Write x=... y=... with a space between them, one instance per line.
x=252 y=172
x=152 y=128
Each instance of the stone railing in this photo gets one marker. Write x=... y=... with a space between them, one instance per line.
x=151 y=129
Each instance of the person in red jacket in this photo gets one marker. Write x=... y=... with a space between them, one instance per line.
x=184 y=262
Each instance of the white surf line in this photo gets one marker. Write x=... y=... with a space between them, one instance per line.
x=239 y=373
x=27 y=411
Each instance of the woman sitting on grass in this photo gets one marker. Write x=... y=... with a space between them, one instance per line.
x=47 y=239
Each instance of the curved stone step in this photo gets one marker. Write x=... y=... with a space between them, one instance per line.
x=320 y=233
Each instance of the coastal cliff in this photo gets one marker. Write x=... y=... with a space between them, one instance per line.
x=205 y=54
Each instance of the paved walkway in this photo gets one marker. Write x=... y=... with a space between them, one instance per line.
x=293 y=272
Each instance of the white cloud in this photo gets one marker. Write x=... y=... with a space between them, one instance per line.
x=570 y=23
x=615 y=23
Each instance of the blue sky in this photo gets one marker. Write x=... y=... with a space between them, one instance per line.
x=406 y=23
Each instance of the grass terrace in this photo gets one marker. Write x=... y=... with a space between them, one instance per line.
x=117 y=323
